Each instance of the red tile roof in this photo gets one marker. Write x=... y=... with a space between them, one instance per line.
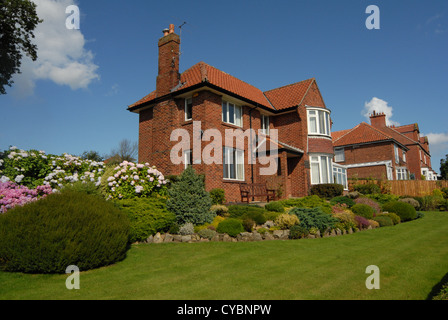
x=362 y=133
x=290 y=95
x=276 y=99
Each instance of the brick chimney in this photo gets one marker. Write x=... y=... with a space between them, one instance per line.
x=378 y=120
x=168 y=76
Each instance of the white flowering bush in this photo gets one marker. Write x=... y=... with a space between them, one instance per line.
x=35 y=168
x=130 y=180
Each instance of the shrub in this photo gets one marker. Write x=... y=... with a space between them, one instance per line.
x=427 y=203
x=297 y=232
x=220 y=210
x=147 y=216
x=363 y=210
x=248 y=224
x=231 y=226
x=369 y=188
x=308 y=202
x=237 y=211
x=70 y=228
x=327 y=190
x=218 y=196
x=374 y=224
x=370 y=202
x=420 y=215
x=262 y=230
x=395 y=218
x=188 y=199
x=286 y=221
x=383 y=220
x=405 y=211
x=314 y=218
x=353 y=194
x=342 y=200
x=271 y=215
x=207 y=234
x=362 y=222
x=12 y=194
x=83 y=186
x=444 y=192
x=274 y=206
x=411 y=201
x=186 y=229
x=382 y=198
x=129 y=180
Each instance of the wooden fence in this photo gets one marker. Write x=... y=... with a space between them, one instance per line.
x=414 y=188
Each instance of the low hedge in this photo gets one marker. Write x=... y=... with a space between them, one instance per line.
x=405 y=211
x=231 y=226
x=68 y=228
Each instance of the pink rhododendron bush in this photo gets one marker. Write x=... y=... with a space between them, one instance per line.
x=12 y=194
x=129 y=180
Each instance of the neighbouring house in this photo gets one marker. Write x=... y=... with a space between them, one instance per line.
x=216 y=100
x=379 y=151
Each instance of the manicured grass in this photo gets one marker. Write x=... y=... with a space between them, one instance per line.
x=412 y=257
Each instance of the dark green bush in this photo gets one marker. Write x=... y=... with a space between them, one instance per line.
x=383 y=220
x=248 y=224
x=231 y=226
x=238 y=211
x=298 y=232
x=363 y=210
x=188 y=199
x=314 y=218
x=274 y=206
x=404 y=210
x=308 y=202
x=369 y=188
x=342 y=200
x=147 y=216
x=327 y=190
x=218 y=196
x=69 y=228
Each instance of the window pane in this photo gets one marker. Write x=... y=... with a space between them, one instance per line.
x=324 y=168
x=238 y=121
x=224 y=111
x=313 y=123
x=232 y=164
x=339 y=155
x=321 y=122
x=226 y=163
x=315 y=175
x=231 y=113
x=240 y=164
x=327 y=117
x=188 y=109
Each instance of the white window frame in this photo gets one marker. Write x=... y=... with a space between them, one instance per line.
x=339 y=155
x=329 y=168
x=397 y=155
x=188 y=158
x=340 y=173
x=187 y=102
x=265 y=122
x=404 y=156
x=229 y=154
x=326 y=130
x=402 y=174
x=237 y=113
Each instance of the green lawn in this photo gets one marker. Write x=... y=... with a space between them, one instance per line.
x=412 y=257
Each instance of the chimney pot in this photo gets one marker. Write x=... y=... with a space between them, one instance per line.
x=171 y=28
x=165 y=32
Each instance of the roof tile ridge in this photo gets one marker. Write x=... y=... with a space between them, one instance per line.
x=291 y=84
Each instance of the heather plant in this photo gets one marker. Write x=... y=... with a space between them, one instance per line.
x=370 y=202
x=286 y=221
x=12 y=195
x=129 y=180
x=362 y=222
x=207 y=234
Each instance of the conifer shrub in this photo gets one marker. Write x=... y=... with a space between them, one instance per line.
x=188 y=200
x=68 y=228
x=298 y=232
x=314 y=218
x=147 y=216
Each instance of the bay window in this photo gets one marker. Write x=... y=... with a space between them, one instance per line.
x=321 y=169
x=232 y=113
x=318 y=121
x=233 y=163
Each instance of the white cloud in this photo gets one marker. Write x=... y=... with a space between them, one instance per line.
x=379 y=106
x=437 y=138
x=62 y=57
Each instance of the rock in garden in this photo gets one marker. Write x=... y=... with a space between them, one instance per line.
x=150 y=239
x=168 y=238
x=186 y=238
x=157 y=238
x=256 y=236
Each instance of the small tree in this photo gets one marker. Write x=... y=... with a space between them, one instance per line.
x=188 y=199
x=444 y=168
x=126 y=151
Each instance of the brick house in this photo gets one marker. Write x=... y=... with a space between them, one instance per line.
x=207 y=97
x=378 y=151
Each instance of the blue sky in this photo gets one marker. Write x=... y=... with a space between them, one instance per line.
x=75 y=97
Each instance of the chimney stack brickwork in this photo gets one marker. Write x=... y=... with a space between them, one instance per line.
x=168 y=77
